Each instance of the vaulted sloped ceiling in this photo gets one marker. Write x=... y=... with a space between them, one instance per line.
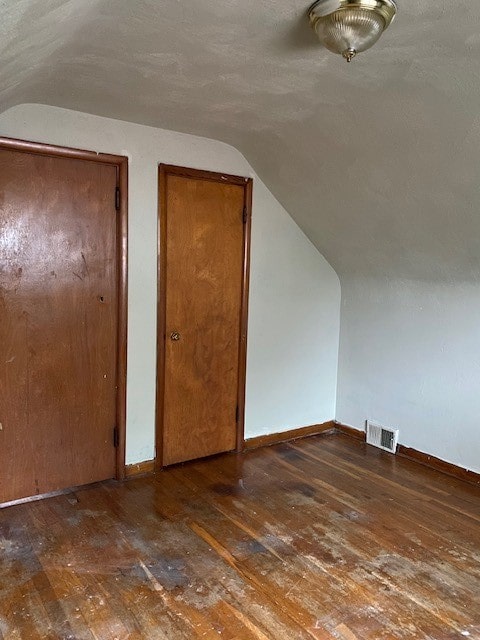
x=378 y=161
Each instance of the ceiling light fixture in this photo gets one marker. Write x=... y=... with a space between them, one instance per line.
x=349 y=27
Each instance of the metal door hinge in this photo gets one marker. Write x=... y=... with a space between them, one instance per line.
x=116 y=437
x=245 y=215
x=117 y=198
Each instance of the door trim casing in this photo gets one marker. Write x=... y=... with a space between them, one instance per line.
x=165 y=170
x=121 y=164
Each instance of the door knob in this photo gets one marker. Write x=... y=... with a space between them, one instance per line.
x=174 y=336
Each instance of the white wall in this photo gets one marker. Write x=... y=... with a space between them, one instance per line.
x=410 y=358
x=294 y=293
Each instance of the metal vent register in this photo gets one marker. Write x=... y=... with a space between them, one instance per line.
x=382 y=437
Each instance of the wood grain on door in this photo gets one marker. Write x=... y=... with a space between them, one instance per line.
x=204 y=244
x=58 y=322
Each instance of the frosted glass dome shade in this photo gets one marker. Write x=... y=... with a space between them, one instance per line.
x=348 y=27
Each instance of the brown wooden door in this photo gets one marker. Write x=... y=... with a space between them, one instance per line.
x=203 y=298
x=58 y=322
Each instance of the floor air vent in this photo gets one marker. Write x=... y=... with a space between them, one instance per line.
x=382 y=437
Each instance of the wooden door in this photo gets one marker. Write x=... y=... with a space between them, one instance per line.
x=202 y=313
x=58 y=322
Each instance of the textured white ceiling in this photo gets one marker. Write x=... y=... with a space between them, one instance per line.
x=378 y=161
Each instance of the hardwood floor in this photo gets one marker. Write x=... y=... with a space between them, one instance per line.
x=323 y=538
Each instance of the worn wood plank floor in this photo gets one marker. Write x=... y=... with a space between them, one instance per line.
x=324 y=538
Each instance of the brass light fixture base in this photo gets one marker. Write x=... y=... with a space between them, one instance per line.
x=348 y=27
x=349 y=54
